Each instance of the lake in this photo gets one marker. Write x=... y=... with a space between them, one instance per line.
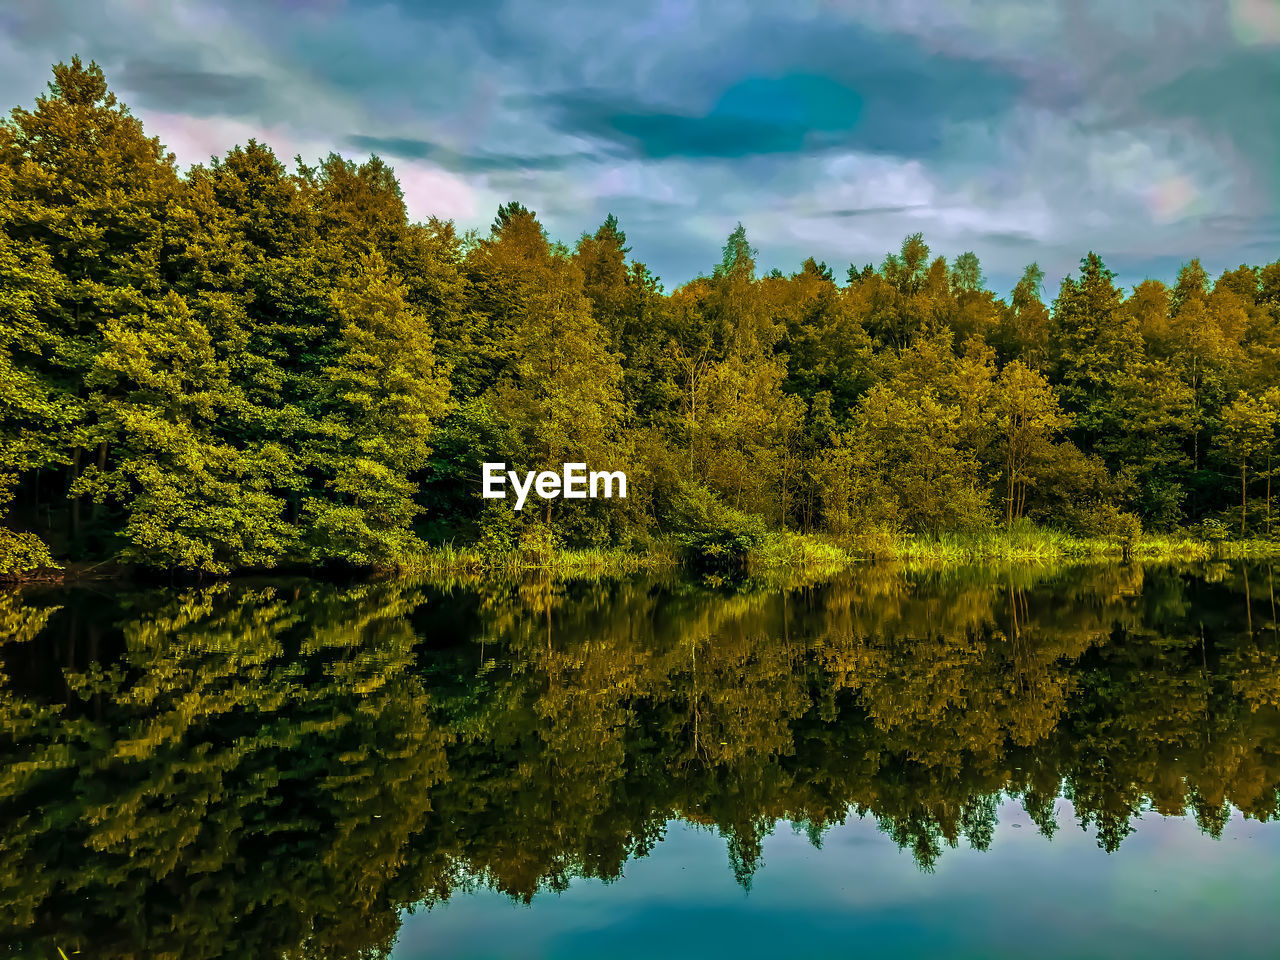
x=899 y=762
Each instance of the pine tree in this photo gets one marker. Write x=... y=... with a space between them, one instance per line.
x=381 y=395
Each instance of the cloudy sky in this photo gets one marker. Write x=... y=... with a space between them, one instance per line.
x=1024 y=130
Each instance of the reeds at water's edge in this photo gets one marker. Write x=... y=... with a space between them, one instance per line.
x=815 y=554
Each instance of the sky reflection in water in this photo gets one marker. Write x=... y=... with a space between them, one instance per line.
x=895 y=763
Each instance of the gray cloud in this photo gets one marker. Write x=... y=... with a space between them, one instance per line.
x=1023 y=130
x=1005 y=238
x=849 y=212
x=802 y=89
x=1235 y=98
x=199 y=92
x=412 y=148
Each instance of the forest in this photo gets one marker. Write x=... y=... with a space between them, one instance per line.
x=250 y=365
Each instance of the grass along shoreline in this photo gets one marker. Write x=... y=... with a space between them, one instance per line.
x=1034 y=544
x=817 y=553
x=814 y=554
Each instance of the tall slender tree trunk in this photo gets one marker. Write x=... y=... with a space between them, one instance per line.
x=74 y=471
x=693 y=415
x=1009 y=484
x=782 y=498
x=1195 y=431
x=1243 y=471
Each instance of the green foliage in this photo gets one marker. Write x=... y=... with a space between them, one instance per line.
x=22 y=554
x=1249 y=435
x=537 y=544
x=245 y=366
x=1107 y=522
x=380 y=395
x=715 y=534
x=499 y=530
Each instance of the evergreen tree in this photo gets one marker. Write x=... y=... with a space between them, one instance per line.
x=381 y=395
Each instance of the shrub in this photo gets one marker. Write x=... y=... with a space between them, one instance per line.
x=1212 y=530
x=499 y=530
x=538 y=544
x=712 y=533
x=1106 y=521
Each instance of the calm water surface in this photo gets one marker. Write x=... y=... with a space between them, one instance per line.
x=898 y=763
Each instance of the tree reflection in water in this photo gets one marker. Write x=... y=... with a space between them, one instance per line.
x=280 y=769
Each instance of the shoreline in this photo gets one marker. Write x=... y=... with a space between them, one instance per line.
x=810 y=554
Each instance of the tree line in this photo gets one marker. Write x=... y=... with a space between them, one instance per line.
x=247 y=364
